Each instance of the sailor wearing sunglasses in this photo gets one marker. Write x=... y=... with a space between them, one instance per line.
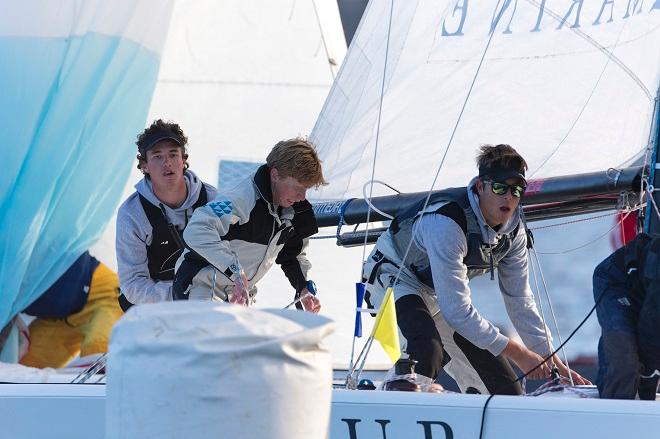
x=459 y=234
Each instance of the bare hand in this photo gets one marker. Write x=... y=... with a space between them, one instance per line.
x=240 y=293
x=563 y=371
x=309 y=302
x=527 y=360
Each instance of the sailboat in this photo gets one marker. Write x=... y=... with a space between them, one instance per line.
x=573 y=85
x=570 y=84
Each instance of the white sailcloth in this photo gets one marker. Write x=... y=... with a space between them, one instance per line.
x=571 y=85
x=238 y=77
x=203 y=369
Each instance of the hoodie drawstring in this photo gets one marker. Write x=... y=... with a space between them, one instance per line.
x=492 y=270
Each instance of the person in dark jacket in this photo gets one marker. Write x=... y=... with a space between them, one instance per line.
x=627 y=294
x=74 y=316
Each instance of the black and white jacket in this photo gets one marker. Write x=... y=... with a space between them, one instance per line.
x=243 y=229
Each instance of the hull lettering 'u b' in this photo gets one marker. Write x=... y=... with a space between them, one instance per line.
x=427 y=432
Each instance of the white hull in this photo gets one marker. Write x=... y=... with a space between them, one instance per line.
x=78 y=411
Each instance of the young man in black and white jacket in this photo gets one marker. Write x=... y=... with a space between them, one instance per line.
x=235 y=239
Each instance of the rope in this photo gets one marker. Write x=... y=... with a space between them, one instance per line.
x=552 y=312
x=483 y=417
x=449 y=143
x=380 y=112
x=323 y=237
x=351 y=370
x=581 y=220
x=368 y=199
x=444 y=156
x=566 y=341
x=331 y=62
x=541 y=309
x=563 y=252
x=552 y=387
x=650 y=191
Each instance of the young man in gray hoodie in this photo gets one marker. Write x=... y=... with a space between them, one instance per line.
x=460 y=234
x=151 y=221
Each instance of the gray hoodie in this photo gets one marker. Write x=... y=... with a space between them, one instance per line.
x=134 y=234
x=446 y=246
x=445 y=243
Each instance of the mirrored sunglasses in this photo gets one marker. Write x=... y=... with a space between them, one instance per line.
x=502 y=188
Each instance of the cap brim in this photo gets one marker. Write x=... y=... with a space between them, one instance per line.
x=505 y=174
x=153 y=142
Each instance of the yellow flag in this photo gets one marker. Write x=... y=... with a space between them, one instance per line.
x=385 y=329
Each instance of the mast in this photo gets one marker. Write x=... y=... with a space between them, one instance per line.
x=652 y=222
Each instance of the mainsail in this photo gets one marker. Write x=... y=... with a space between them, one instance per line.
x=570 y=84
x=77 y=79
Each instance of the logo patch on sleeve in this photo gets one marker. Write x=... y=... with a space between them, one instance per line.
x=221 y=207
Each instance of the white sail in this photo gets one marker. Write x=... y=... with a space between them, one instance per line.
x=238 y=77
x=570 y=84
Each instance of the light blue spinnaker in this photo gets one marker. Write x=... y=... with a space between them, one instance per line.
x=75 y=86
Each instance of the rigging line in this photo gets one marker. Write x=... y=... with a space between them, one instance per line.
x=355 y=369
x=483 y=416
x=601 y=48
x=581 y=220
x=331 y=62
x=654 y=138
x=584 y=107
x=595 y=217
x=650 y=146
x=563 y=252
x=444 y=156
x=451 y=138
x=323 y=237
x=561 y=346
x=552 y=313
x=384 y=184
x=367 y=345
x=655 y=206
x=380 y=112
x=368 y=199
x=540 y=299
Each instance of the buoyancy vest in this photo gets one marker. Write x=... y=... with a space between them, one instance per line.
x=262 y=229
x=166 y=242
x=454 y=204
